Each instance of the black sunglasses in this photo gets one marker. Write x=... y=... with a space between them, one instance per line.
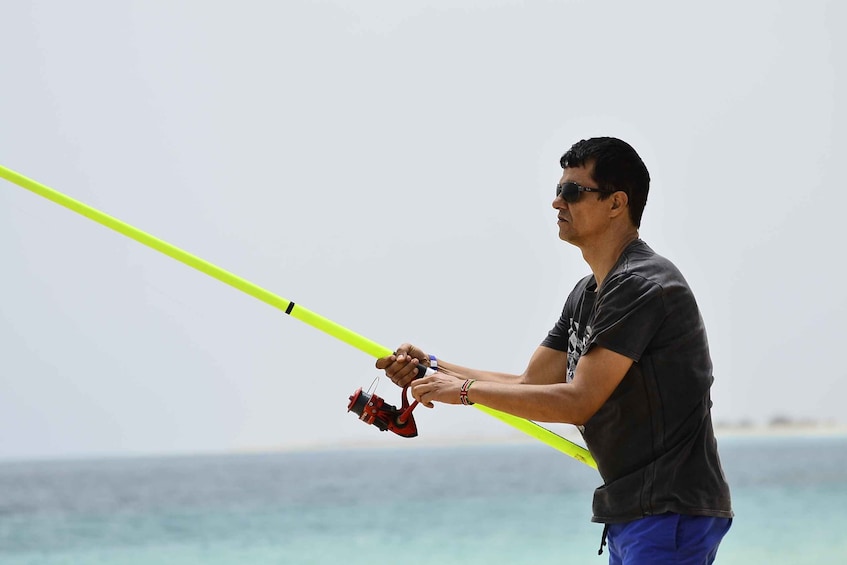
x=570 y=191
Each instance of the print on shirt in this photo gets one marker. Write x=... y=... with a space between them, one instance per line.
x=576 y=345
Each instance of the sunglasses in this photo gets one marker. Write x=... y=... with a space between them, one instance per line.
x=570 y=191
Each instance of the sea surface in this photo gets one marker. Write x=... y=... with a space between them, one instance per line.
x=486 y=504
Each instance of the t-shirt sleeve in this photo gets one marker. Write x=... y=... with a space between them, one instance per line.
x=557 y=337
x=628 y=315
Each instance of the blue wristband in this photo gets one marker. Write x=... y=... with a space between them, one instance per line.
x=433 y=363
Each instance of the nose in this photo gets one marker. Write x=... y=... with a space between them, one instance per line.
x=559 y=202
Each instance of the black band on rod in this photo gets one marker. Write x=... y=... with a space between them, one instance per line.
x=290 y=308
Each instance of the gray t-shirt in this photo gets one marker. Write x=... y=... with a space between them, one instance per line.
x=652 y=439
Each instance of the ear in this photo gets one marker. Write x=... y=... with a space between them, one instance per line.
x=620 y=200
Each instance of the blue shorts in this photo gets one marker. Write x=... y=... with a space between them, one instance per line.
x=667 y=538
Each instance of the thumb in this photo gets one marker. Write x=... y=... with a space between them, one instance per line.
x=384 y=362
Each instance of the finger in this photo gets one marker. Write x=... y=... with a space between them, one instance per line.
x=403 y=351
x=422 y=390
x=384 y=362
x=425 y=401
x=417 y=389
x=407 y=373
x=398 y=372
x=395 y=365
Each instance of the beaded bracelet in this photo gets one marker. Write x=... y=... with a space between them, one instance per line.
x=463 y=393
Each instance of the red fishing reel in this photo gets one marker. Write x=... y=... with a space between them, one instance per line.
x=373 y=410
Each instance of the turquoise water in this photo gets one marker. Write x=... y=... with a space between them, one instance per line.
x=468 y=505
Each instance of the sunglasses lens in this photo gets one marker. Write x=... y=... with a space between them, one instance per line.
x=568 y=191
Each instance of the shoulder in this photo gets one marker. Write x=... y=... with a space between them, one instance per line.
x=641 y=266
x=642 y=276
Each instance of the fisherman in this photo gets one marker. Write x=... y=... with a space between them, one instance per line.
x=627 y=362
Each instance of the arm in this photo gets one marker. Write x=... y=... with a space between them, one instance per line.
x=467 y=373
x=598 y=373
x=546 y=366
x=402 y=367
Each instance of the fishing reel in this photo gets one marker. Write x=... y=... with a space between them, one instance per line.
x=373 y=410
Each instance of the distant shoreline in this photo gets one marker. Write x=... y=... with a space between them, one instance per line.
x=810 y=429
x=386 y=442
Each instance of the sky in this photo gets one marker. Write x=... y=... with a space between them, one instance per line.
x=391 y=166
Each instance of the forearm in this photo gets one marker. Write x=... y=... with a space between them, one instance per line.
x=543 y=403
x=477 y=374
x=545 y=367
x=598 y=374
x=539 y=394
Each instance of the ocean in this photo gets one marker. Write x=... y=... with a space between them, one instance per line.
x=481 y=504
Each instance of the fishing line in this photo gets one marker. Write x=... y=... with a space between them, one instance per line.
x=294 y=310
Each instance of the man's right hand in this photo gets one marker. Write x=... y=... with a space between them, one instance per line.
x=402 y=366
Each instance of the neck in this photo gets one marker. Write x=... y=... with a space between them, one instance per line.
x=602 y=255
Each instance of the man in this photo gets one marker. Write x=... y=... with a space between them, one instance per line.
x=628 y=362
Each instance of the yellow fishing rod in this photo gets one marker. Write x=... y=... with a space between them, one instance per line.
x=294 y=310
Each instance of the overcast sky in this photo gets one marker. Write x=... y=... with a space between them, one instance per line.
x=391 y=165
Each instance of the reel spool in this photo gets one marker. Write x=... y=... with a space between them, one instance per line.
x=375 y=411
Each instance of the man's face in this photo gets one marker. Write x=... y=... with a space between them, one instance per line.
x=580 y=221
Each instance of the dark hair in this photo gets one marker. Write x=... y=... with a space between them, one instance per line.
x=616 y=167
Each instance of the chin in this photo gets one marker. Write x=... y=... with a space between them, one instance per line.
x=567 y=237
